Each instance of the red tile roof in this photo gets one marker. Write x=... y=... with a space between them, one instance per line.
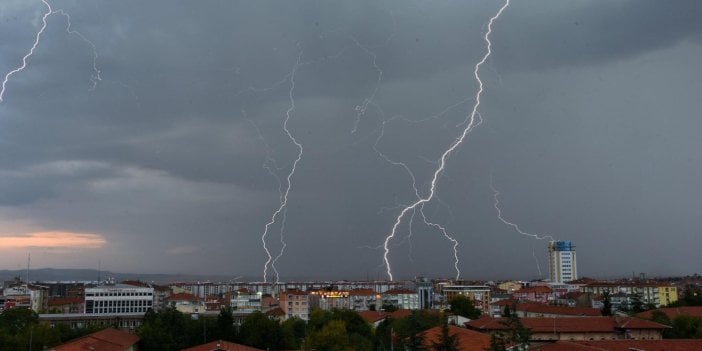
x=568 y=324
x=294 y=292
x=362 y=292
x=221 y=345
x=534 y=290
x=583 y=280
x=506 y=302
x=637 y=323
x=58 y=301
x=573 y=295
x=372 y=316
x=467 y=340
x=623 y=345
x=672 y=312
x=267 y=301
x=399 y=314
x=275 y=312
x=109 y=339
x=182 y=297
x=630 y=284
x=534 y=307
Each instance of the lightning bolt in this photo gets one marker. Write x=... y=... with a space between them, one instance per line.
x=472 y=122
x=283 y=245
x=281 y=211
x=443 y=231
x=284 y=202
x=538 y=264
x=31 y=51
x=496 y=205
x=95 y=78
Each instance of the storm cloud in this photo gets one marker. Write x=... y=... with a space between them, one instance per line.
x=176 y=156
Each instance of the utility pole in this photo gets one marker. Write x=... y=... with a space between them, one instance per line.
x=29 y=258
x=392 y=341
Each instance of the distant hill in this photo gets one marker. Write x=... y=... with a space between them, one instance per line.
x=57 y=274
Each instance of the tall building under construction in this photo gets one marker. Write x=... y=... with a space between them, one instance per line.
x=562 y=264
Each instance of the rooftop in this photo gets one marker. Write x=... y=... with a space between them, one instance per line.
x=534 y=307
x=622 y=345
x=221 y=345
x=672 y=312
x=109 y=339
x=568 y=324
x=467 y=340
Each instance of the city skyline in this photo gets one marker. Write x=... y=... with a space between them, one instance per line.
x=161 y=137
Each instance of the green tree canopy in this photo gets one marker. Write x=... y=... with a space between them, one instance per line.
x=261 y=332
x=463 y=306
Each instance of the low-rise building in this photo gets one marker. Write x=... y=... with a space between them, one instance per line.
x=533 y=309
x=244 y=301
x=112 y=299
x=66 y=305
x=674 y=312
x=466 y=340
x=107 y=339
x=364 y=300
x=479 y=294
x=221 y=345
x=540 y=294
x=621 y=345
x=404 y=299
x=295 y=303
x=186 y=303
x=125 y=321
x=329 y=300
x=509 y=286
x=582 y=328
x=654 y=293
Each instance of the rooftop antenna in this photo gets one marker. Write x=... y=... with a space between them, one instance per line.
x=99 y=271
x=29 y=258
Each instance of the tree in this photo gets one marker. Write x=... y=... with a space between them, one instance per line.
x=447 y=342
x=606 y=304
x=388 y=307
x=637 y=304
x=225 y=325
x=261 y=332
x=165 y=330
x=686 y=327
x=662 y=318
x=464 y=306
x=14 y=320
x=331 y=337
x=358 y=332
x=496 y=343
x=507 y=312
x=516 y=332
x=294 y=332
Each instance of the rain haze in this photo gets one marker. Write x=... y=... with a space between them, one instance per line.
x=160 y=136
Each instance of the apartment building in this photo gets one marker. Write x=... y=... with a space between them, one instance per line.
x=118 y=299
x=295 y=303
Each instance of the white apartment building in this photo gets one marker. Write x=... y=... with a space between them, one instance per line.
x=246 y=302
x=562 y=263
x=403 y=299
x=118 y=299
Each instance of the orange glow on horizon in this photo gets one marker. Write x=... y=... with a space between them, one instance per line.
x=52 y=240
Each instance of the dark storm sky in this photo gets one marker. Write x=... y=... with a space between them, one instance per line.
x=591 y=128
